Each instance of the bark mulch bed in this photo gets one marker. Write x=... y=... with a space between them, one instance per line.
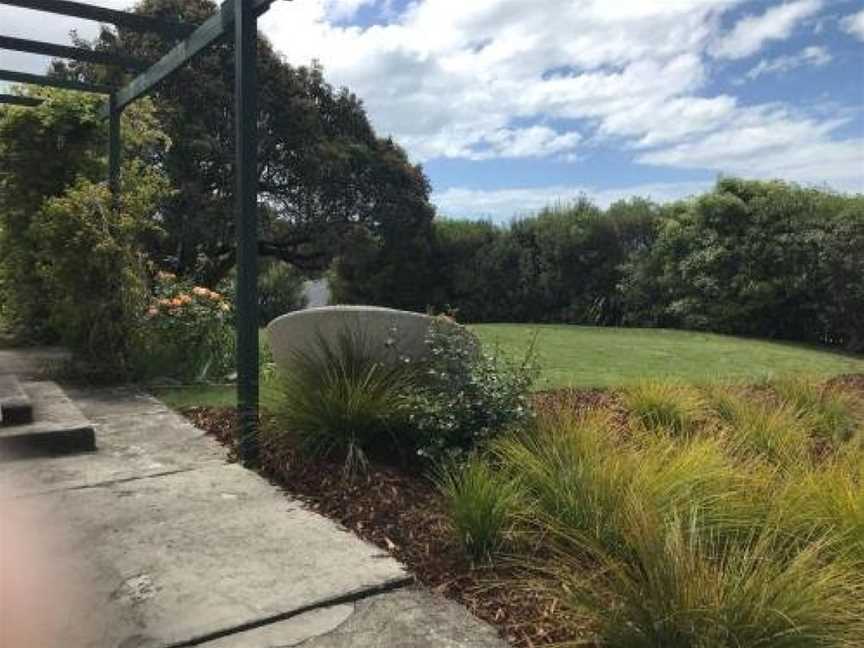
x=402 y=514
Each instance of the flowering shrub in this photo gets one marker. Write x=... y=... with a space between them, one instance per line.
x=466 y=395
x=189 y=331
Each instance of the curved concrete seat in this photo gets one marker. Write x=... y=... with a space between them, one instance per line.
x=386 y=333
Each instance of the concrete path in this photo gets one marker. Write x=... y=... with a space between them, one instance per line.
x=155 y=540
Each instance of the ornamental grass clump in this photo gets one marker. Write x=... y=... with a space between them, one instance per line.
x=339 y=400
x=665 y=406
x=762 y=429
x=481 y=504
x=737 y=533
x=829 y=413
x=572 y=475
x=682 y=586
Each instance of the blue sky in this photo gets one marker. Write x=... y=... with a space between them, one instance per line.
x=510 y=105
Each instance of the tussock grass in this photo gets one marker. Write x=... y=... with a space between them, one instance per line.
x=827 y=412
x=680 y=587
x=730 y=529
x=338 y=400
x=662 y=405
x=771 y=431
x=481 y=504
x=572 y=473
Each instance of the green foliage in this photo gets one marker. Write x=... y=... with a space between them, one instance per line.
x=663 y=405
x=466 y=395
x=89 y=267
x=480 y=504
x=771 y=431
x=766 y=259
x=685 y=540
x=280 y=291
x=682 y=588
x=189 y=332
x=832 y=415
x=326 y=178
x=71 y=262
x=339 y=400
x=42 y=152
x=570 y=475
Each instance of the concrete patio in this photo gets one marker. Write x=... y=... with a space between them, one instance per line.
x=155 y=539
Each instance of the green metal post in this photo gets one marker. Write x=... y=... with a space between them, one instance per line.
x=246 y=172
x=114 y=148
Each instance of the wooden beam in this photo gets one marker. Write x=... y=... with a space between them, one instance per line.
x=208 y=33
x=64 y=51
x=18 y=100
x=125 y=19
x=246 y=199
x=38 y=79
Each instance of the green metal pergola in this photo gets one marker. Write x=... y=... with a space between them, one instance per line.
x=242 y=15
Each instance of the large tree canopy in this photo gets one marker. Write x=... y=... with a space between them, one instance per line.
x=325 y=177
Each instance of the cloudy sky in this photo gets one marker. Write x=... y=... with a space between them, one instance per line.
x=511 y=104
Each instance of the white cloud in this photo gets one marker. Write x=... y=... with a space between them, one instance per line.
x=854 y=25
x=498 y=204
x=487 y=79
x=751 y=32
x=814 y=55
x=770 y=142
x=496 y=78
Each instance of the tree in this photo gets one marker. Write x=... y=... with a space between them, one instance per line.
x=323 y=172
x=70 y=256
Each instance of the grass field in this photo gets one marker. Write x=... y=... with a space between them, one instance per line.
x=580 y=356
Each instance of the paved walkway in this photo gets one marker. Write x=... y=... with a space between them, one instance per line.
x=155 y=540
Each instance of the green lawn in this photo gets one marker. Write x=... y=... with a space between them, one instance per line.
x=582 y=356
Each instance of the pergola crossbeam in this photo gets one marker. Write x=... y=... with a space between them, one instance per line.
x=208 y=33
x=20 y=100
x=124 y=19
x=56 y=82
x=66 y=52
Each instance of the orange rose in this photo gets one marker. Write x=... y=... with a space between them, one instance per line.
x=198 y=291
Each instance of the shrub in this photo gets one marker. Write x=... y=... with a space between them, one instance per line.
x=280 y=291
x=338 y=400
x=665 y=406
x=680 y=587
x=829 y=413
x=481 y=503
x=189 y=332
x=466 y=395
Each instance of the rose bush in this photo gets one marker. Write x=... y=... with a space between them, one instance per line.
x=189 y=331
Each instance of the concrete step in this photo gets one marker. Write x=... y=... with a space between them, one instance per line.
x=15 y=405
x=57 y=425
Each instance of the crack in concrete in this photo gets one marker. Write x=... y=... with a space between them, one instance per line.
x=108 y=483
x=351 y=597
